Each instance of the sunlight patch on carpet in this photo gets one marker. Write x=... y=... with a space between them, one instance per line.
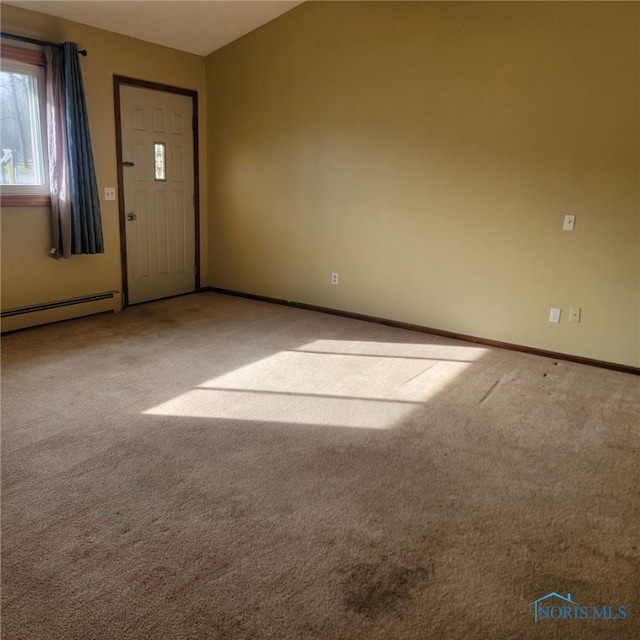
x=409 y=350
x=323 y=383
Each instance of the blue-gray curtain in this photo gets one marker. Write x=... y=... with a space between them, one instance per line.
x=86 y=222
x=58 y=156
x=76 y=225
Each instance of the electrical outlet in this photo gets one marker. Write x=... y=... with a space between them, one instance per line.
x=109 y=193
x=554 y=314
x=574 y=314
x=569 y=222
x=334 y=278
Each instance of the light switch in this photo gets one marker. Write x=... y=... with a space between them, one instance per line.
x=109 y=193
x=569 y=222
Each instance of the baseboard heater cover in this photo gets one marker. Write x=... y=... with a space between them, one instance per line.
x=33 y=315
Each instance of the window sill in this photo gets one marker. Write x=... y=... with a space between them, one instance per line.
x=35 y=200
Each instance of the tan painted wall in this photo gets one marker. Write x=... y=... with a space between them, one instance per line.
x=29 y=275
x=428 y=153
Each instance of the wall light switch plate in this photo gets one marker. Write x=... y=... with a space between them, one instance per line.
x=109 y=193
x=554 y=315
x=569 y=222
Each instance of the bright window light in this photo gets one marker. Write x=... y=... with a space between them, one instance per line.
x=22 y=161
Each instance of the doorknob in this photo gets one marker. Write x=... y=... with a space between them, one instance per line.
x=131 y=216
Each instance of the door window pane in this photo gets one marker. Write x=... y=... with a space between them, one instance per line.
x=159 y=161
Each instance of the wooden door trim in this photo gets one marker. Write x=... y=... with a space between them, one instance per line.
x=118 y=81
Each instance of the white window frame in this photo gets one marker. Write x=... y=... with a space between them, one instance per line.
x=31 y=62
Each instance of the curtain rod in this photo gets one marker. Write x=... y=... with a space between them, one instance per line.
x=42 y=43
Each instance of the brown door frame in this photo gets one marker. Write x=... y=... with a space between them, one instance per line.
x=118 y=81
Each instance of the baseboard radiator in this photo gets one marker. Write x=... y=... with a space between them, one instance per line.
x=48 y=312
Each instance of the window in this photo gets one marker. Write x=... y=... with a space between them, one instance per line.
x=23 y=153
x=159 y=149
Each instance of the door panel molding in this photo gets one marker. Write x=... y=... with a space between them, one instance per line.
x=119 y=81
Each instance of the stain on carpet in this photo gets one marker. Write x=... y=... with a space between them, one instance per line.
x=491 y=390
x=371 y=589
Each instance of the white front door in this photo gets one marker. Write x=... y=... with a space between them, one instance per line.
x=159 y=193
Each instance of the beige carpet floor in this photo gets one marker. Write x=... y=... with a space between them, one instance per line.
x=210 y=467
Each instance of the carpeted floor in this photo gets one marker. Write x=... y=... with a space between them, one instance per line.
x=216 y=468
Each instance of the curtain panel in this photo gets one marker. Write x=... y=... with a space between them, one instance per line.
x=58 y=169
x=75 y=204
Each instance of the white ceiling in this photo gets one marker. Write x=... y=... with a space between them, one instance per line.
x=196 y=26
